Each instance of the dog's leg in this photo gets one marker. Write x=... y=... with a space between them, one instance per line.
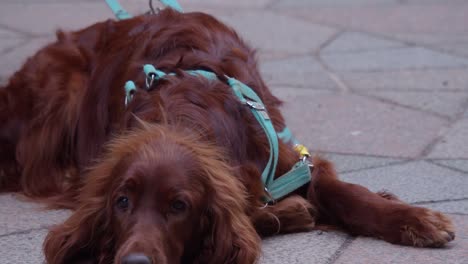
x=362 y=212
x=290 y=215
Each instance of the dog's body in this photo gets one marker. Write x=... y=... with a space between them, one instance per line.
x=60 y=110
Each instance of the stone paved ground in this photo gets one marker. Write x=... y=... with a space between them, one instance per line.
x=379 y=86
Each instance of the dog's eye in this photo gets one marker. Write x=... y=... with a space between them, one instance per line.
x=178 y=206
x=122 y=202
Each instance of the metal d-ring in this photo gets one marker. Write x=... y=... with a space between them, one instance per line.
x=150 y=80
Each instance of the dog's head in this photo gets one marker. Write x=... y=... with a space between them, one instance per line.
x=158 y=197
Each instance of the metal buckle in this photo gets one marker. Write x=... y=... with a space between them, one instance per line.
x=255 y=105
x=271 y=200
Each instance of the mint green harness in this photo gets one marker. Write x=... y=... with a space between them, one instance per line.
x=275 y=189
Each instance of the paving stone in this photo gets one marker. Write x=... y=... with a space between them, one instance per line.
x=438 y=39
x=392 y=19
x=454 y=144
x=451 y=207
x=225 y=4
x=8 y=44
x=358 y=42
x=268 y=31
x=345 y=163
x=369 y=250
x=329 y=3
x=12 y=61
x=458 y=164
x=312 y=247
x=408 y=80
x=297 y=71
x=344 y=123
x=393 y=59
x=17 y=216
x=455 y=48
x=23 y=248
x=5 y=34
x=414 y=182
x=29 y=17
x=444 y=103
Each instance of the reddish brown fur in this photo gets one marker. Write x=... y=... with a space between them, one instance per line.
x=67 y=102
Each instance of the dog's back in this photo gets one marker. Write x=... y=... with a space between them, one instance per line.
x=60 y=108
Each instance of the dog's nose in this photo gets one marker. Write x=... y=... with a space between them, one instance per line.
x=136 y=258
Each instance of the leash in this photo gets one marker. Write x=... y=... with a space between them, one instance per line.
x=121 y=14
x=275 y=189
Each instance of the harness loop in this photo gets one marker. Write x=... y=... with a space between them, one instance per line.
x=121 y=14
x=130 y=89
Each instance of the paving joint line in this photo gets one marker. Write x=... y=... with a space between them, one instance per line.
x=271 y=5
x=377 y=35
x=446 y=166
x=388 y=101
x=24 y=232
x=22 y=43
x=440 y=201
x=340 y=250
x=301 y=87
x=21 y=32
x=415 y=90
x=333 y=76
x=390 y=164
x=322 y=153
x=396 y=70
x=444 y=131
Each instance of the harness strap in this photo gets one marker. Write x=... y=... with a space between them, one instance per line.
x=118 y=10
x=259 y=111
x=275 y=189
x=121 y=14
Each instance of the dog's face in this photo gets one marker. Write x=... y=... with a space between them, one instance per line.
x=158 y=197
x=158 y=204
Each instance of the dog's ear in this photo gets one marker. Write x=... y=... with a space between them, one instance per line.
x=85 y=235
x=229 y=234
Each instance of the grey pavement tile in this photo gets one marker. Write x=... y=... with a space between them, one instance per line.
x=431 y=39
x=330 y=3
x=297 y=71
x=12 y=61
x=369 y=250
x=392 y=59
x=408 y=80
x=458 y=164
x=5 y=34
x=8 y=44
x=301 y=248
x=345 y=163
x=454 y=143
x=418 y=181
x=356 y=41
x=445 y=103
x=455 y=48
x=46 y=18
x=418 y=18
x=17 y=216
x=268 y=31
x=346 y=123
x=451 y=207
x=225 y=4
x=23 y=248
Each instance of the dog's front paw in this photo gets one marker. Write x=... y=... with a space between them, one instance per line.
x=426 y=228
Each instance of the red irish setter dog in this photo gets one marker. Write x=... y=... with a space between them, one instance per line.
x=174 y=176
